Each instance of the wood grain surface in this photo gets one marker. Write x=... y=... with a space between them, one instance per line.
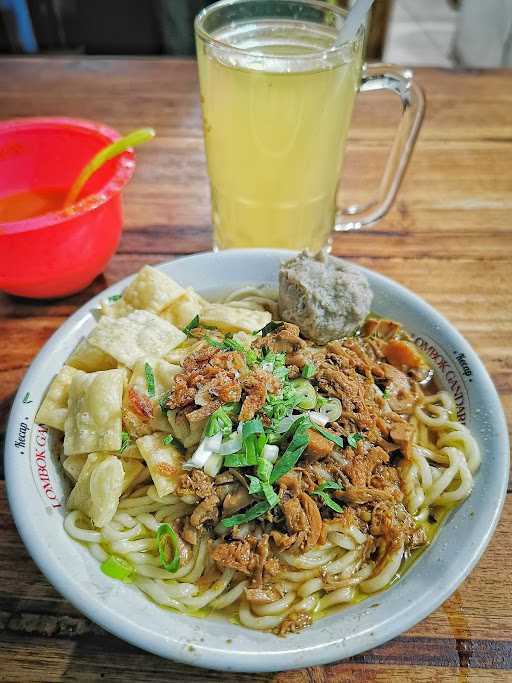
x=448 y=238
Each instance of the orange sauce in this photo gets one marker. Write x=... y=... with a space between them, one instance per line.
x=31 y=203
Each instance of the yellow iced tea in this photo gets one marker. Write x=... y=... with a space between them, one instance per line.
x=275 y=125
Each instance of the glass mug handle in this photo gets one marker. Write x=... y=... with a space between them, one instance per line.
x=385 y=77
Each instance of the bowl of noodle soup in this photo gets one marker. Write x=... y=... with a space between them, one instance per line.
x=459 y=462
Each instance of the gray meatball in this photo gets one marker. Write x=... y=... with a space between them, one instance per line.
x=325 y=297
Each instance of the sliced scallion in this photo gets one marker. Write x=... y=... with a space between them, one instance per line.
x=117 y=568
x=240 y=459
x=308 y=371
x=125 y=441
x=254 y=485
x=163 y=402
x=320 y=491
x=218 y=421
x=295 y=449
x=191 y=326
x=150 y=379
x=254 y=426
x=352 y=439
x=270 y=494
x=168 y=548
x=328 y=435
x=264 y=469
x=331 y=408
x=256 y=511
x=306 y=394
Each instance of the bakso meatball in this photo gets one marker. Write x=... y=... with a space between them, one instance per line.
x=325 y=297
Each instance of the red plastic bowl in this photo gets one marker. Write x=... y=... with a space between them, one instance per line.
x=61 y=252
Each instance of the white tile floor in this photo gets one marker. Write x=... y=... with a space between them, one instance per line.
x=421 y=33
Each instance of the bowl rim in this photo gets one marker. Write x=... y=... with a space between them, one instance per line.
x=213 y=655
x=123 y=171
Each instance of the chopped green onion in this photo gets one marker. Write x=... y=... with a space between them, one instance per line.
x=125 y=441
x=230 y=344
x=250 y=449
x=241 y=459
x=308 y=371
x=150 y=379
x=232 y=408
x=295 y=449
x=352 y=439
x=386 y=393
x=166 y=535
x=258 y=486
x=254 y=426
x=213 y=342
x=327 y=500
x=306 y=394
x=233 y=344
x=253 y=439
x=117 y=568
x=191 y=326
x=114 y=297
x=255 y=484
x=167 y=440
x=264 y=469
x=270 y=494
x=163 y=402
x=218 y=421
x=321 y=401
x=261 y=441
x=329 y=484
x=256 y=511
x=251 y=357
x=280 y=405
x=269 y=327
x=328 y=435
x=331 y=409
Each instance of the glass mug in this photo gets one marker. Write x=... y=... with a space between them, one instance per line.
x=277 y=94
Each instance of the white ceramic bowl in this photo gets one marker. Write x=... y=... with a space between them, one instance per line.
x=35 y=490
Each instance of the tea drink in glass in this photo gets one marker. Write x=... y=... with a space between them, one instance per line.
x=277 y=94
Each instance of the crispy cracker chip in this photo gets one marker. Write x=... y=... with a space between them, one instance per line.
x=54 y=408
x=139 y=334
x=137 y=423
x=115 y=309
x=98 y=489
x=132 y=469
x=152 y=290
x=164 y=462
x=73 y=465
x=93 y=421
x=181 y=311
x=90 y=358
x=231 y=319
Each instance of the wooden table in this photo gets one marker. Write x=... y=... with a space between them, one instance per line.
x=448 y=238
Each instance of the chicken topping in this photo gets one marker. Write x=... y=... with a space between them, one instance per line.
x=250 y=557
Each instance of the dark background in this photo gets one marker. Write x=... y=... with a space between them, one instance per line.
x=127 y=27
